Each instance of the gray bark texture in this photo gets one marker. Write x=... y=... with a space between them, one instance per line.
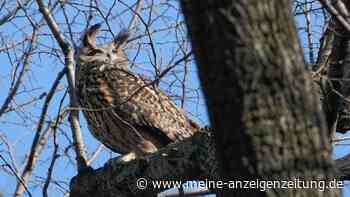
x=263 y=108
x=266 y=117
x=191 y=159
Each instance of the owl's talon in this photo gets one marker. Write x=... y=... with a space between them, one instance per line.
x=126 y=158
x=122 y=159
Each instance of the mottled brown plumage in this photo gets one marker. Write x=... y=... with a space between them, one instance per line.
x=122 y=111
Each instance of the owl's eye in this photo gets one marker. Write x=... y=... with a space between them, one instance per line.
x=94 y=52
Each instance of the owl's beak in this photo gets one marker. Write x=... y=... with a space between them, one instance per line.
x=108 y=59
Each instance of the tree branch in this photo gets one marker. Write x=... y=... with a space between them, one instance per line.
x=20 y=78
x=334 y=11
x=69 y=63
x=191 y=159
x=343 y=167
x=39 y=139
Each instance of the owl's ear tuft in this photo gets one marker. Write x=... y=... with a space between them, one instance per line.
x=121 y=38
x=89 y=38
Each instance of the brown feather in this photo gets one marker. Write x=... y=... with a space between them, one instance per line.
x=121 y=110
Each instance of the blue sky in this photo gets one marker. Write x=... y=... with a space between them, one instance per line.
x=19 y=128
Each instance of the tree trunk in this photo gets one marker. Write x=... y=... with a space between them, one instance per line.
x=260 y=99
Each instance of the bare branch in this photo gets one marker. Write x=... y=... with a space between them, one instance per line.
x=69 y=62
x=13 y=12
x=55 y=155
x=39 y=139
x=342 y=19
x=16 y=174
x=27 y=57
x=135 y=17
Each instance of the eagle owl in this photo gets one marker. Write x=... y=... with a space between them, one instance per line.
x=122 y=110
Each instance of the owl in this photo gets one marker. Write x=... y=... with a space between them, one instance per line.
x=122 y=110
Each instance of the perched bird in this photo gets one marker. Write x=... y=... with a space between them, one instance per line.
x=123 y=111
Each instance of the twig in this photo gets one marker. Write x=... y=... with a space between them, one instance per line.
x=12 y=13
x=18 y=177
x=340 y=139
x=95 y=154
x=20 y=77
x=37 y=143
x=55 y=156
x=10 y=151
x=336 y=14
x=160 y=76
x=135 y=17
x=149 y=37
x=309 y=31
x=68 y=51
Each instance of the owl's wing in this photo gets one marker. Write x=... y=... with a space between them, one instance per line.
x=151 y=110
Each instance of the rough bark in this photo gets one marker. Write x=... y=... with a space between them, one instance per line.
x=189 y=160
x=192 y=159
x=261 y=103
x=343 y=168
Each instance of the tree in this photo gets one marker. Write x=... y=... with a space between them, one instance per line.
x=263 y=106
x=266 y=118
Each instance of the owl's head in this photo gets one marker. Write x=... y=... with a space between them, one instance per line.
x=110 y=53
